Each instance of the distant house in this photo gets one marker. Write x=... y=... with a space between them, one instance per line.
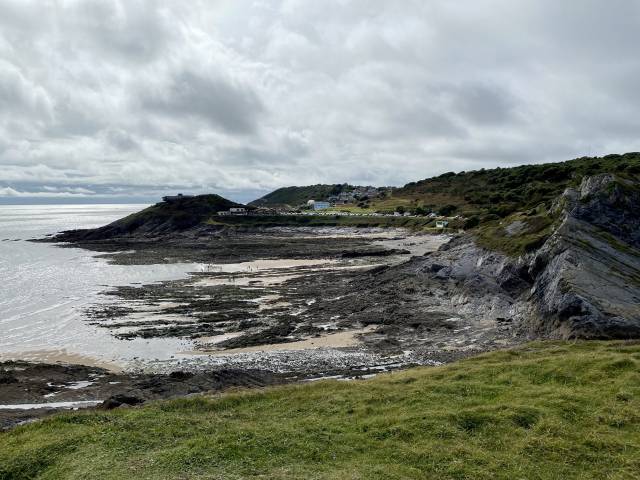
x=176 y=198
x=321 y=205
x=224 y=213
x=238 y=211
x=442 y=224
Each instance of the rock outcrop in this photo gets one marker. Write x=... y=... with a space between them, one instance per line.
x=162 y=219
x=587 y=274
x=583 y=281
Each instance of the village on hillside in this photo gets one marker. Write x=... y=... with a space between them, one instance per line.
x=351 y=201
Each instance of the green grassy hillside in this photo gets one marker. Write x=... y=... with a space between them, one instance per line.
x=485 y=195
x=544 y=411
x=189 y=211
x=294 y=196
x=499 y=192
x=163 y=217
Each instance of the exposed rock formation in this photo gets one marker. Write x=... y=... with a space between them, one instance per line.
x=587 y=274
x=164 y=218
x=583 y=282
x=579 y=277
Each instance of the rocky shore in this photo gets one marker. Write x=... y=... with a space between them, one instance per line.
x=30 y=390
x=582 y=282
x=245 y=316
x=275 y=305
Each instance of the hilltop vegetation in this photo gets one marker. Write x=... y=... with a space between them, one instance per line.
x=484 y=198
x=521 y=197
x=294 y=196
x=544 y=411
x=163 y=217
x=499 y=192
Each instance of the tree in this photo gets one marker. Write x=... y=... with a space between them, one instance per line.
x=447 y=210
x=421 y=211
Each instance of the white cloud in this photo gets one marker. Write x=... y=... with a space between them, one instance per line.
x=47 y=192
x=243 y=96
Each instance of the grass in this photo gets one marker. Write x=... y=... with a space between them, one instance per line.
x=543 y=411
x=172 y=216
x=294 y=196
x=489 y=200
x=486 y=194
x=485 y=198
x=500 y=192
x=534 y=231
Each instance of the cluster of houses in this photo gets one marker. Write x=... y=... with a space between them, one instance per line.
x=315 y=205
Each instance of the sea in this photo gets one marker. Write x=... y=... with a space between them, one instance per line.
x=45 y=289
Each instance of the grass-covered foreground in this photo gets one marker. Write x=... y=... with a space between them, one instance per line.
x=543 y=411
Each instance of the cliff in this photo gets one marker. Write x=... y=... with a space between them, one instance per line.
x=578 y=277
x=587 y=274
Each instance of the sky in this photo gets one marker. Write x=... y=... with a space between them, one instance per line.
x=124 y=101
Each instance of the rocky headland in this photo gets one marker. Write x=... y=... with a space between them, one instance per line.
x=583 y=281
x=360 y=301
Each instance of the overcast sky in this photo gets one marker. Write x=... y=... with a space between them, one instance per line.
x=129 y=99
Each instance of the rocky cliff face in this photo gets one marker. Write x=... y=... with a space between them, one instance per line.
x=587 y=274
x=582 y=282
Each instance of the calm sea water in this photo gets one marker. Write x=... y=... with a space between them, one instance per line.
x=44 y=289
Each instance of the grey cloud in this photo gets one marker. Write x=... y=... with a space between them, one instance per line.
x=232 y=107
x=484 y=104
x=121 y=140
x=122 y=31
x=21 y=96
x=126 y=98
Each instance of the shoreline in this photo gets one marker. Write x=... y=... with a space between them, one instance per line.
x=316 y=307
x=62 y=357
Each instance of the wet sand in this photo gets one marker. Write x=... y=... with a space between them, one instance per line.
x=61 y=357
x=261 y=304
x=344 y=339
